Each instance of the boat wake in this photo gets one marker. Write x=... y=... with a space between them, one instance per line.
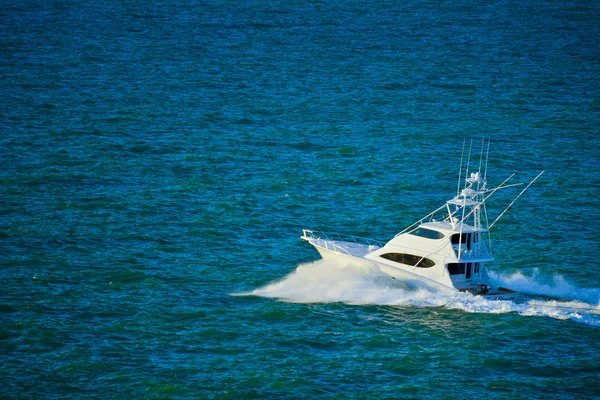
x=329 y=282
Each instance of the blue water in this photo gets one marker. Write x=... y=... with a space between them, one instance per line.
x=160 y=159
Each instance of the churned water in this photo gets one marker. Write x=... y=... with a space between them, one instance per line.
x=160 y=159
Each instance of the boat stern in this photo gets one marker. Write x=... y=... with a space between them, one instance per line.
x=489 y=291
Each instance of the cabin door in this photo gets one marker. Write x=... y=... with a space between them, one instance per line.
x=469 y=270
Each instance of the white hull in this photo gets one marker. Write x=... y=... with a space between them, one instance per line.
x=415 y=281
x=406 y=278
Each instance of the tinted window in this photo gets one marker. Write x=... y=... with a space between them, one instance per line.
x=427 y=233
x=409 y=259
x=456 y=269
x=460 y=268
x=464 y=239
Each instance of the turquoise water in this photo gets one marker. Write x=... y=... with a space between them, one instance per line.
x=160 y=159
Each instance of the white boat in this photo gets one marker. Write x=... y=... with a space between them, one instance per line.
x=445 y=251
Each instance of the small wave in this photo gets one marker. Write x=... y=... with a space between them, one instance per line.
x=329 y=282
x=556 y=287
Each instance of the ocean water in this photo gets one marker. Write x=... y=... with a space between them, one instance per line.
x=160 y=160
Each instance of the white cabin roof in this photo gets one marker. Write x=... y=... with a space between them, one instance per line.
x=446 y=227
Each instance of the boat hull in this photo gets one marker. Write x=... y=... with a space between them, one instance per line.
x=499 y=293
x=405 y=278
x=409 y=280
x=330 y=255
x=414 y=281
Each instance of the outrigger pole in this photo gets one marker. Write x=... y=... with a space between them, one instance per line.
x=460 y=168
x=480 y=162
x=468 y=162
x=486 y=160
x=522 y=191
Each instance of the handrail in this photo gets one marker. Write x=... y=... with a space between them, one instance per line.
x=329 y=238
x=420 y=221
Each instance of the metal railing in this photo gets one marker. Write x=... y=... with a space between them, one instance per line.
x=330 y=240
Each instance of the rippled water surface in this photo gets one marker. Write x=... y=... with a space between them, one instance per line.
x=160 y=159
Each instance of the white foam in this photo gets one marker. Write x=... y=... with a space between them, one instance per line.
x=555 y=286
x=328 y=282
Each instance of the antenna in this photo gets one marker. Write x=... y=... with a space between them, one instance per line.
x=481 y=154
x=460 y=169
x=487 y=155
x=468 y=161
x=480 y=161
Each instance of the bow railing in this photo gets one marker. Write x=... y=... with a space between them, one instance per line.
x=332 y=241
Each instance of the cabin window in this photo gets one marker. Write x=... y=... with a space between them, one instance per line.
x=409 y=259
x=463 y=239
x=456 y=268
x=461 y=268
x=427 y=233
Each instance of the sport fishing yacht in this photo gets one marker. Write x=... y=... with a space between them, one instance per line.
x=445 y=251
